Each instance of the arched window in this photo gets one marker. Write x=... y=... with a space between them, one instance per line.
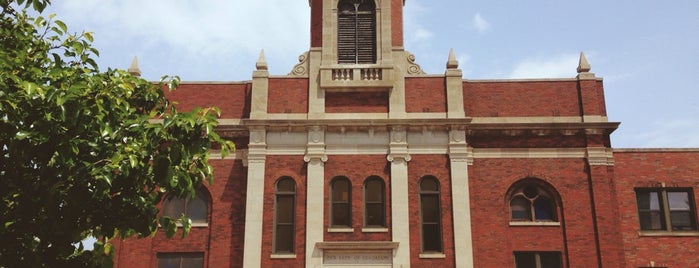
x=374 y=202
x=530 y=202
x=340 y=202
x=284 y=215
x=356 y=31
x=430 y=215
x=196 y=208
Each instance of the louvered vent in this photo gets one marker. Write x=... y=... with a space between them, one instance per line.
x=356 y=32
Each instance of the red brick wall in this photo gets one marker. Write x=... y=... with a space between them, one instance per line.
x=425 y=94
x=357 y=168
x=592 y=96
x=397 y=22
x=232 y=99
x=287 y=95
x=437 y=166
x=505 y=99
x=648 y=169
x=277 y=167
x=356 y=102
x=221 y=241
x=317 y=23
x=527 y=141
x=494 y=241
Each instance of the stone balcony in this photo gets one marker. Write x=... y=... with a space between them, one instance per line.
x=356 y=77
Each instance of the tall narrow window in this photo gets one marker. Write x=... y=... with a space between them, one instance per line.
x=196 y=208
x=341 y=209
x=356 y=31
x=430 y=215
x=666 y=209
x=284 y=215
x=374 y=202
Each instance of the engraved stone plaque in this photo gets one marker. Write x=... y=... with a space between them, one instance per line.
x=360 y=258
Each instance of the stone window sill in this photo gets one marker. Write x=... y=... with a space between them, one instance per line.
x=432 y=255
x=668 y=233
x=374 y=230
x=283 y=256
x=340 y=230
x=535 y=223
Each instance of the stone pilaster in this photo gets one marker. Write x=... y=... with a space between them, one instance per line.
x=460 y=158
x=315 y=203
x=252 y=255
x=399 y=157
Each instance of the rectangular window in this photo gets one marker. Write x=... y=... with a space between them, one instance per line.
x=181 y=260
x=538 y=260
x=666 y=209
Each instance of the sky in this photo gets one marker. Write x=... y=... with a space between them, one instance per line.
x=647 y=51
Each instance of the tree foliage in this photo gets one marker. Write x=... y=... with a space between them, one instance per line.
x=85 y=153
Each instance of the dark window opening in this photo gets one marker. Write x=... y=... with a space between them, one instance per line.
x=430 y=215
x=181 y=260
x=356 y=32
x=538 y=260
x=340 y=200
x=666 y=209
x=196 y=208
x=284 y=216
x=374 y=202
x=532 y=203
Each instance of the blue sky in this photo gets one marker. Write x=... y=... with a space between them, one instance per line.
x=647 y=51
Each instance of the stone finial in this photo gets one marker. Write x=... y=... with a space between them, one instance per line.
x=133 y=69
x=261 y=62
x=452 y=63
x=583 y=65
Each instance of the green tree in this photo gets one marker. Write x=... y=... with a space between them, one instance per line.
x=85 y=153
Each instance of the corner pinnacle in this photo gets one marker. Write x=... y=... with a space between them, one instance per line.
x=134 y=69
x=261 y=61
x=583 y=65
x=452 y=63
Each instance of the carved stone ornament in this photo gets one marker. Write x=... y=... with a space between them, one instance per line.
x=398 y=134
x=413 y=68
x=301 y=68
x=257 y=137
x=316 y=134
x=458 y=136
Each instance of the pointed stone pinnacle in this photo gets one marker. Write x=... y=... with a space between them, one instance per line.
x=583 y=65
x=261 y=62
x=452 y=63
x=134 y=69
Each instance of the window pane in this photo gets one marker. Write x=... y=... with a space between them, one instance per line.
x=340 y=190
x=285 y=209
x=173 y=207
x=431 y=237
x=525 y=260
x=284 y=240
x=193 y=262
x=430 y=208
x=340 y=215
x=681 y=220
x=550 y=260
x=429 y=184
x=375 y=214
x=520 y=209
x=374 y=191
x=286 y=185
x=168 y=261
x=652 y=220
x=648 y=200
x=678 y=201
x=544 y=209
x=196 y=209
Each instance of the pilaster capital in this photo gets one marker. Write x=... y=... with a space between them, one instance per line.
x=398 y=158
x=600 y=156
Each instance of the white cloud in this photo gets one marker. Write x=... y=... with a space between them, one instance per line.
x=480 y=23
x=206 y=28
x=555 y=67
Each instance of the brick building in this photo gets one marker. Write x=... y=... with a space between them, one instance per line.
x=357 y=158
